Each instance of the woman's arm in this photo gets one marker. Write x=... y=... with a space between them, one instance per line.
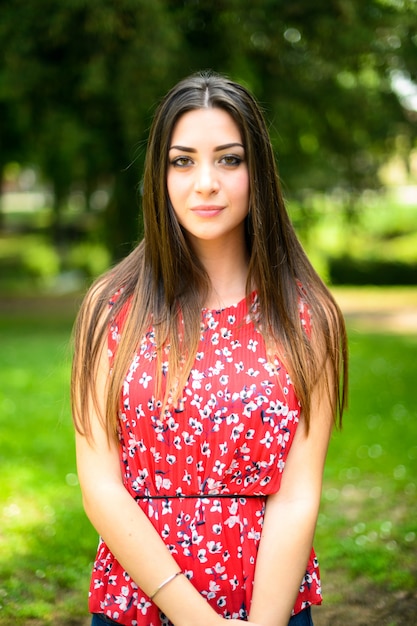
x=125 y=528
x=290 y=519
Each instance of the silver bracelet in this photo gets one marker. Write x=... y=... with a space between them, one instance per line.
x=165 y=582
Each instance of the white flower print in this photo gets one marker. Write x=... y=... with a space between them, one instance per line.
x=219 y=570
x=162 y=483
x=214 y=547
x=201 y=555
x=144 y=380
x=245 y=451
x=234 y=582
x=250 y=407
x=188 y=439
x=223 y=447
x=134 y=443
x=218 y=467
x=232 y=521
x=212 y=323
x=278 y=407
x=196 y=378
x=197 y=400
x=226 y=333
x=226 y=556
x=252 y=345
x=196 y=425
x=228 y=355
x=213 y=589
x=240 y=367
x=187 y=477
x=236 y=432
x=156 y=455
x=166 y=507
x=205 y=411
x=121 y=599
x=177 y=442
x=143 y=605
x=139 y=411
x=205 y=449
x=232 y=418
x=140 y=479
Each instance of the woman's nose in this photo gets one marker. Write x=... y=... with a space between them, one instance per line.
x=206 y=180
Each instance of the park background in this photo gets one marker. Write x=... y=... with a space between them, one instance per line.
x=79 y=81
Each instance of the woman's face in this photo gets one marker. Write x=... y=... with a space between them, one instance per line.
x=208 y=178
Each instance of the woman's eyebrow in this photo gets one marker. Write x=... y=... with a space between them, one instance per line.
x=226 y=146
x=183 y=149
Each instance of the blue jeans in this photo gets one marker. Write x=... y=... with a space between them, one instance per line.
x=301 y=619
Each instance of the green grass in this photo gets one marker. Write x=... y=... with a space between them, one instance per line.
x=368 y=520
x=46 y=544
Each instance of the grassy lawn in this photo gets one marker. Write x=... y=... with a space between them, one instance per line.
x=46 y=544
x=368 y=521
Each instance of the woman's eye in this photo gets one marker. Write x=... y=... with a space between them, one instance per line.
x=181 y=161
x=231 y=160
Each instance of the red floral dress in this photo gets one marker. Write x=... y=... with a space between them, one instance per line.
x=202 y=474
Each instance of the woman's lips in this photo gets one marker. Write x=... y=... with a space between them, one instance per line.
x=207 y=210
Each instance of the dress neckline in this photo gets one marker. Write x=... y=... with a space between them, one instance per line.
x=235 y=305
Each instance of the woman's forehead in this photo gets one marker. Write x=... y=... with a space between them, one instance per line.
x=206 y=123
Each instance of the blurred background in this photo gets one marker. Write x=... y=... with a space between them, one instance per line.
x=79 y=82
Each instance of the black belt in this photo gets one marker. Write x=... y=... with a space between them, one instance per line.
x=233 y=496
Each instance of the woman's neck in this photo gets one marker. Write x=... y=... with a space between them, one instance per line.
x=227 y=268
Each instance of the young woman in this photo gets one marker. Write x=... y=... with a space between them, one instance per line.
x=209 y=369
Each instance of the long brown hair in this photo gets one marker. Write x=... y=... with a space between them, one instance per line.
x=163 y=281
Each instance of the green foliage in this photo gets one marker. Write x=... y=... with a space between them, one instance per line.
x=374 y=242
x=90 y=259
x=28 y=263
x=79 y=81
x=346 y=270
x=41 y=261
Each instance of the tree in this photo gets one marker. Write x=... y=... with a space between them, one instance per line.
x=88 y=74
